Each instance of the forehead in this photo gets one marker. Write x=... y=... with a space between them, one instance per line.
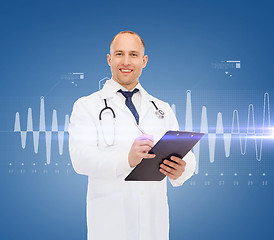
x=127 y=42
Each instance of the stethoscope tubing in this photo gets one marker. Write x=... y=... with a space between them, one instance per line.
x=106 y=108
x=159 y=113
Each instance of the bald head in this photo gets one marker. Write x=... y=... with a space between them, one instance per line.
x=127 y=32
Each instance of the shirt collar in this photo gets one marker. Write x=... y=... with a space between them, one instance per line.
x=111 y=87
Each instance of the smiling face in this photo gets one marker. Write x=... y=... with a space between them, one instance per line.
x=126 y=59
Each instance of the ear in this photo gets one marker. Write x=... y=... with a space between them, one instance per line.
x=109 y=59
x=145 y=59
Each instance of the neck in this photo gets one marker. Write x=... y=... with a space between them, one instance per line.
x=129 y=86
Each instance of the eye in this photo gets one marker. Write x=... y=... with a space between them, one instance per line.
x=134 y=55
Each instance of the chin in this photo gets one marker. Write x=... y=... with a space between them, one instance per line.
x=126 y=82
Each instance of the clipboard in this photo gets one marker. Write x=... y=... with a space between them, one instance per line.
x=173 y=143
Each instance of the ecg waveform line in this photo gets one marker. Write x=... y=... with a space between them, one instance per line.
x=42 y=129
x=243 y=136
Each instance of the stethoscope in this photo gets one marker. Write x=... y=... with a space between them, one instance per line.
x=159 y=113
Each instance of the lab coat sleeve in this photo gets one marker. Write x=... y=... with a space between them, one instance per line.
x=189 y=158
x=86 y=158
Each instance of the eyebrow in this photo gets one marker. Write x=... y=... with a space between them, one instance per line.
x=123 y=51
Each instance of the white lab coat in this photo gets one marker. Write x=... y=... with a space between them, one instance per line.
x=117 y=209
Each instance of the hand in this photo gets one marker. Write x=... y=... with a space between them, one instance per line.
x=139 y=149
x=171 y=169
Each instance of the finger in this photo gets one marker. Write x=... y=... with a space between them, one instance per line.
x=173 y=174
x=144 y=149
x=166 y=173
x=144 y=142
x=183 y=162
x=145 y=137
x=147 y=155
x=138 y=143
x=178 y=160
x=171 y=164
x=167 y=169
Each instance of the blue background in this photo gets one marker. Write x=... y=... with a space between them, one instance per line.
x=40 y=41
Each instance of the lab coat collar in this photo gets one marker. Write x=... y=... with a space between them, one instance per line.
x=111 y=87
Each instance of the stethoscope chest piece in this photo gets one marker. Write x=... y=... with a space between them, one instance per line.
x=160 y=114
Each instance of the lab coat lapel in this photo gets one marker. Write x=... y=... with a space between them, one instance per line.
x=146 y=104
x=113 y=100
x=119 y=103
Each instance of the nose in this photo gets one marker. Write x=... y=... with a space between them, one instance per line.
x=126 y=60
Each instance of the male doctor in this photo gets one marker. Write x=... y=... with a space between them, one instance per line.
x=106 y=145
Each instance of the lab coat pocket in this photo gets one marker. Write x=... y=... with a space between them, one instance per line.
x=105 y=216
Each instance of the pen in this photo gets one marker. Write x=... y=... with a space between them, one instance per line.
x=141 y=130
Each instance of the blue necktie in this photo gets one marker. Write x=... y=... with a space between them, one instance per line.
x=129 y=103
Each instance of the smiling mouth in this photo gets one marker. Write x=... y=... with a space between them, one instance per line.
x=125 y=70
